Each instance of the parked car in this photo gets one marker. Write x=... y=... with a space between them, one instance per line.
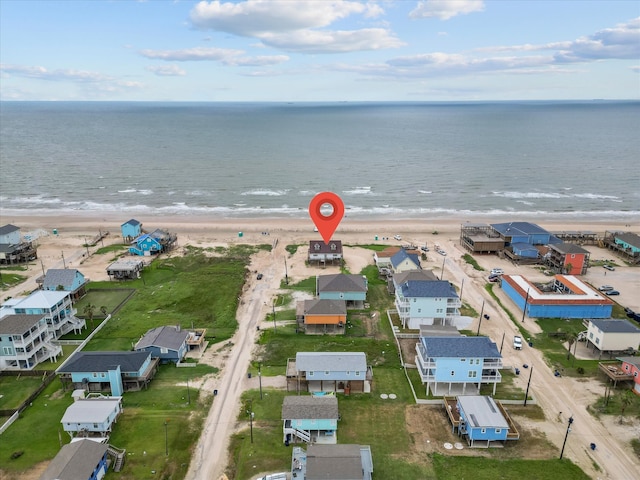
x=259 y=277
x=424 y=249
x=397 y=237
x=497 y=271
x=609 y=267
x=493 y=278
x=613 y=292
x=606 y=288
x=442 y=252
x=517 y=342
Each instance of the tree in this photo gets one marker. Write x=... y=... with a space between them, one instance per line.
x=89 y=311
x=103 y=310
x=571 y=339
x=625 y=401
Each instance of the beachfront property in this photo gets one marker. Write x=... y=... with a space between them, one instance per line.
x=310 y=419
x=131 y=229
x=565 y=296
x=320 y=252
x=331 y=462
x=480 y=419
x=343 y=372
x=12 y=247
x=320 y=317
x=404 y=261
x=168 y=343
x=567 y=258
x=457 y=363
x=350 y=288
x=64 y=279
x=91 y=417
x=55 y=306
x=612 y=335
x=83 y=459
x=426 y=302
x=480 y=238
x=26 y=341
x=624 y=244
x=631 y=366
x=382 y=258
x=125 y=269
x=114 y=372
x=154 y=243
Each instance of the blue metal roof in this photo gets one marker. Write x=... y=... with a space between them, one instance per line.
x=402 y=255
x=518 y=228
x=428 y=288
x=460 y=347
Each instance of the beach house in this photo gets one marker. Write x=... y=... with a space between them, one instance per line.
x=612 y=335
x=168 y=343
x=321 y=317
x=83 y=459
x=310 y=419
x=567 y=258
x=483 y=421
x=332 y=462
x=426 y=302
x=64 y=279
x=346 y=372
x=403 y=261
x=12 y=247
x=348 y=287
x=624 y=244
x=91 y=417
x=125 y=269
x=153 y=243
x=320 y=252
x=131 y=229
x=456 y=363
x=26 y=341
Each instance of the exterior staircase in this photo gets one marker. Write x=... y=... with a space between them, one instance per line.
x=118 y=457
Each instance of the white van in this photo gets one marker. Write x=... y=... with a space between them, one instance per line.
x=275 y=476
x=517 y=342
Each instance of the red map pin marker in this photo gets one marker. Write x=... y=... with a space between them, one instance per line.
x=326 y=224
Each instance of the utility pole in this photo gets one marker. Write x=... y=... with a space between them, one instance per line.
x=273 y=305
x=526 y=395
x=86 y=245
x=166 y=438
x=442 y=274
x=480 y=320
x=188 y=392
x=461 y=288
x=566 y=435
x=524 y=310
x=286 y=276
x=502 y=343
x=251 y=418
x=260 y=378
x=64 y=264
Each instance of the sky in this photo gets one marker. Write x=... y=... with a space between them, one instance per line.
x=319 y=50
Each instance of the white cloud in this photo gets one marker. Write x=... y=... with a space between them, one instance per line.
x=191 y=54
x=167 y=70
x=446 y=9
x=258 y=61
x=316 y=41
x=296 y=25
x=78 y=76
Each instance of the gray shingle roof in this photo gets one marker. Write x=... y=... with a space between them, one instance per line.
x=75 y=461
x=165 y=336
x=309 y=407
x=334 y=462
x=59 y=276
x=331 y=361
x=402 y=277
x=8 y=228
x=342 y=283
x=615 y=325
x=568 y=248
x=104 y=361
x=325 y=247
x=428 y=288
x=460 y=347
x=325 y=307
x=630 y=238
x=18 y=324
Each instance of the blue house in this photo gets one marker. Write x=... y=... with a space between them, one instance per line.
x=80 y=460
x=565 y=296
x=350 y=288
x=153 y=243
x=457 y=362
x=10 y=234
x=311 y=419
x=64 y=279
x=168 y=343
x=524 y=232
x=427 y=302
x=131 y=229
x=92 y=416
x=329 y=372
x=113 y=372
x=483 y=421
x=525 y=250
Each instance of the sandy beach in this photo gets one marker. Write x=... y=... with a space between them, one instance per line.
x=73 y=231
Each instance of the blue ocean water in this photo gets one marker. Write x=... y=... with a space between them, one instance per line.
x=407 y=160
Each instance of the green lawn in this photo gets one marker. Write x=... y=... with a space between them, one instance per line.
x=16 y=390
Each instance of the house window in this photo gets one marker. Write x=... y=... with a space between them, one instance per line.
x=635 y=374
x=95 y=375
x=483 y=430
x=164 y=350
x=597 y=340
x=309 y=374
x=7 y=351
x=333 y=246
x=95 y=425
x=348 y=372
x=316 y=247
x=326 y=372
x=103 y=375
x=357 y=374
x=591 y=335
x=453 y=372
x=464 y=360
x=498 y=430
x=419 y=310
x=473 y=374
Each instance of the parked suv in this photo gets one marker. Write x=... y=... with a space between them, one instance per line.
x=517 y=342
x=609 y=267
x=497 y=271
x=605 y=288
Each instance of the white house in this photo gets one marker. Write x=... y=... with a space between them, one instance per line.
x=93 y=416
x=25 y=341
x=425 y=302
x=404 y=261
x=613 y=334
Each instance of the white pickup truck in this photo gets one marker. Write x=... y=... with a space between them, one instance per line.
x=517 y=342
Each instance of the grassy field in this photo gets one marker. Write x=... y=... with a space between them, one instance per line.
x=16 y=390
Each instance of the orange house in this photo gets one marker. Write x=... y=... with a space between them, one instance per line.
x=324 y=316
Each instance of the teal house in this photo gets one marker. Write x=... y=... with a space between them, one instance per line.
x=64 y=279
x=310 y=419
x=350 y=288
x=131 y=229
x=153 y=243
